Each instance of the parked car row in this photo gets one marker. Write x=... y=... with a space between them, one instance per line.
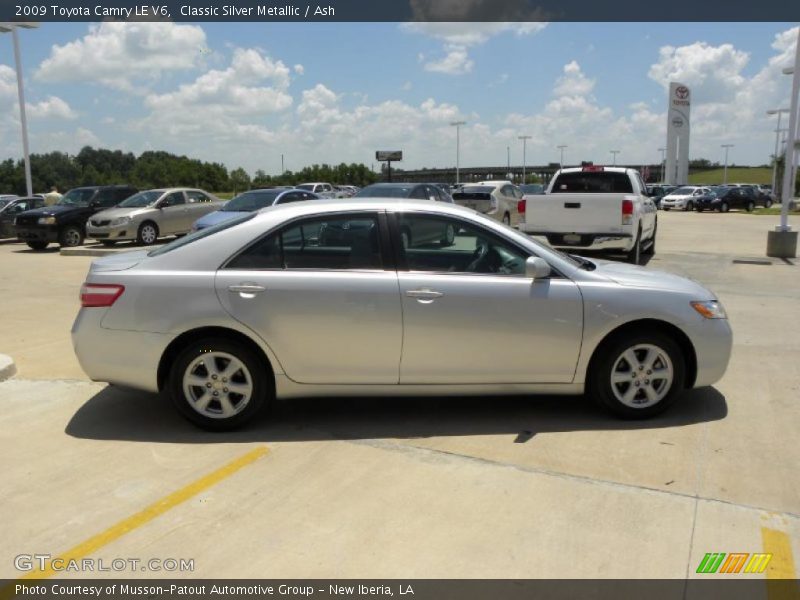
x=720 y=198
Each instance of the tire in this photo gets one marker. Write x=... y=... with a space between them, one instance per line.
x=108 y=243
x=607 y=381
x=507 y=219
x=666 y=208
x=37 y=245
x=192 y=365
x=699 y=209
x=689 y=206
x=767 y=203
x=651 y=249
x=449 y=237
x=750 y=206
x=70 y=236
x=634 y=255
x=724 y=207
x=147 y=235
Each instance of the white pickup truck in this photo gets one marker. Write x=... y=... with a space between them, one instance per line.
x=593 y=208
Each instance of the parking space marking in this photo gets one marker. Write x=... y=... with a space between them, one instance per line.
x=149 y=513
x=779 y=545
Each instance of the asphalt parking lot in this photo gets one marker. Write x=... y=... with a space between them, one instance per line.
x=424 y=488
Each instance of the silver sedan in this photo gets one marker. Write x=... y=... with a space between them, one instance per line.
x=320 y=298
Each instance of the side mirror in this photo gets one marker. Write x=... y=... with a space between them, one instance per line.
x=536 y=268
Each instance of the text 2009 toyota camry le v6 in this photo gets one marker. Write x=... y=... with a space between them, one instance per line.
x=321 y=298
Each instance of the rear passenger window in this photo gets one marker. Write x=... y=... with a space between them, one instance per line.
x=197 y=197
x=597 y=182
x=321 y=243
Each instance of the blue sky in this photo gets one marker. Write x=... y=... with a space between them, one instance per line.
x=242 y=94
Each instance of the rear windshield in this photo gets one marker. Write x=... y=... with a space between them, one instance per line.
x=588 y=182
x=201 y=233
x=476 y=189
x=385 y=191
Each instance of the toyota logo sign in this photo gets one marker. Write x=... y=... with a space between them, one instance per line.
x=682 y=92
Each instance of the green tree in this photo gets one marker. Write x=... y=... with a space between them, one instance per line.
x=240 y=180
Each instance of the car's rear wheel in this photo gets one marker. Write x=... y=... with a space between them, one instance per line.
x=689 y=206
x=750 y=206
x=767 y=203
x=637 y=376
x=37 y=245
x=507 y=219
x=147 y=234
x=70 y=236
x=651 y=248
x=634 y=255
x=218 y=384
x=724 y=207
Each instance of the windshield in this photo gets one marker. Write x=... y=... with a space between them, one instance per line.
x=306 y=186
x=200 y=234
x=476 y=189
x=141 y=199
x=385 y=191
x=250 y=201
x=684 y=191
x=78 y=197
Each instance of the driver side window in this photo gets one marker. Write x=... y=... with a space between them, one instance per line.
x=446 y=245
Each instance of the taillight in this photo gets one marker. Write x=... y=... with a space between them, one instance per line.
x=521 y=206
x=100 y=294
x=627 y=212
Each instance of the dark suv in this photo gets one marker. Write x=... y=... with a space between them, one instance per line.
x=725 y=198
x=65 y=222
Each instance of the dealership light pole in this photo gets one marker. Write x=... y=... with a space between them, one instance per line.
x=779 y=112
x=725 y=172
x=561 y=147
x=457 y=125
x=614 y=152
x=12 y=28
x=524 y=139
x=663 y=158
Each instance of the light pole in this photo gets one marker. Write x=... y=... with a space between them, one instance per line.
x=524 y=139
x=725 y=172
x=614 y=152
x=561 y=147
x=12 y=28
x=779 y=112
x=508 y=160
x=663 y=158
x=457 y=125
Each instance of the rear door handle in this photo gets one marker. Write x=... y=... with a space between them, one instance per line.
x=247 y=288
x=424 y=296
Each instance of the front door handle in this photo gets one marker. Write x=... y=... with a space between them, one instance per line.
x=247 y=289
x=424 y=296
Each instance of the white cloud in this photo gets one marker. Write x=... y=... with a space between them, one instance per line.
x=573 y=82
x=119 y=54
x=299 y=69
x=52 y=108
x=8 y=82
x=458 y=37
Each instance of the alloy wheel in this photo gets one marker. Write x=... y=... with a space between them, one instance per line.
x=642 y=376
x=217 y=385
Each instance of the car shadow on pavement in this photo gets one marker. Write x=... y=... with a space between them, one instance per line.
x=121 y=414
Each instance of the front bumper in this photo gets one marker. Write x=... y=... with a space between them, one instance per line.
x=111 y=232
x=677 y=204
x=712 y=340
x=42 y=233
x=127 y=358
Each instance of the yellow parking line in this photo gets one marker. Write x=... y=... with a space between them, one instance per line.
x=149 y=513
x=779 y=545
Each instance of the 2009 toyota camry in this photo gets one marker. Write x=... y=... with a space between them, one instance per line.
x=323 y=298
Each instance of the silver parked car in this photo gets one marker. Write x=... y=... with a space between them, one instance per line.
x=497 y=199
x=148 y=215
x=261 y=306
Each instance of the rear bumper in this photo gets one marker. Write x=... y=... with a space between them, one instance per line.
x=127 y=358
x=587 y=241
x=47 y=233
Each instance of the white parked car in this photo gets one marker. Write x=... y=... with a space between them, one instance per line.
x=495 y=199
x=594 y=208
x=323 y=190
x=686 y=197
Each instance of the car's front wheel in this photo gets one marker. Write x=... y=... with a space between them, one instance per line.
x=637 y=376
x=70 y=236
x=218 y=384
x=689 y=206
x=37 y=245
x=767 y=203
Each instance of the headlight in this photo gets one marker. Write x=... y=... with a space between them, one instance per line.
x=46 y=221
x=120 y=221
x=710 y=309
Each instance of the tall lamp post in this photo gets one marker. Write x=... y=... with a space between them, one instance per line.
x=614 y=152
x=12 y=28
x=663 y=158
x=561 y=147
x=779 y=112
x=524 y=139
x=725 y=172
x=457 y=125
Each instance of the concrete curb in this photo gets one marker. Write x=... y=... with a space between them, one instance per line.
x=101 y=250
x=7 y=367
